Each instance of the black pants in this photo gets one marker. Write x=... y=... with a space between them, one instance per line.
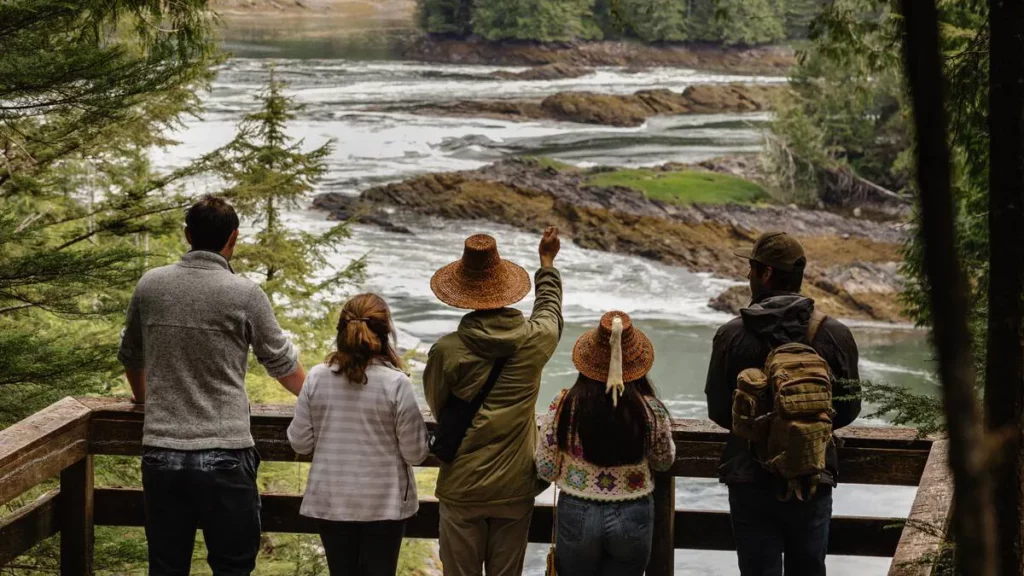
x=210 y=489
x=765 y=529
x=362 y=548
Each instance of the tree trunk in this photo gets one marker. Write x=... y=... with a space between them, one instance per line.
x=1004 y=377
x=973 y=518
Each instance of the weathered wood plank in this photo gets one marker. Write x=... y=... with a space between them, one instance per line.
x=929 y=517
x=663 y=550
x=29 y=526
x=76 y=518
x=698 y=530
x=869 y=455
x=42 y=445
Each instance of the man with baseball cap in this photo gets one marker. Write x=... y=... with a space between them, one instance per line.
x=493 y=363
x=765 y=528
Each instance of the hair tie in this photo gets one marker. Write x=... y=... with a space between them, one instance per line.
x=615 y=386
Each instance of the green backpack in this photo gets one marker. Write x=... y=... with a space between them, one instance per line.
x=785 y=411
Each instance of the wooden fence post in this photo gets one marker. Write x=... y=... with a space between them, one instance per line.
x=76 y=518
x=663 y=549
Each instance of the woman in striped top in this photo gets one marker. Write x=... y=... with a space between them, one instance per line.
x=358 y=416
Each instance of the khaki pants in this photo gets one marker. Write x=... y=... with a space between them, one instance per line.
x=491 y=535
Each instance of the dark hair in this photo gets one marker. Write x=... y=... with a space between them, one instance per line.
x=781 y=280
x=608 y=435
x=210 y=222
x=364 y=333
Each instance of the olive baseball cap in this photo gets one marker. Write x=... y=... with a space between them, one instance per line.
x=778 y=250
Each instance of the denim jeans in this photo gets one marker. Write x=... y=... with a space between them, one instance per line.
x=210 y=489
x=766 y=529
x=362 y=548
x=603 y=538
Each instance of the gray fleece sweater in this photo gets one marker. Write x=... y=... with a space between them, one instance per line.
x=190 y=326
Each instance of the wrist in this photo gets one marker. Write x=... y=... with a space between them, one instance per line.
x=547 y=262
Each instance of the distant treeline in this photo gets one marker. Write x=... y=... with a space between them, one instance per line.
x=722 y=21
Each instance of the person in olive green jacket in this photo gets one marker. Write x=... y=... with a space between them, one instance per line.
x=486 y=494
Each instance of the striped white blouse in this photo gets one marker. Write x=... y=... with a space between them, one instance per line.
x=364 y=439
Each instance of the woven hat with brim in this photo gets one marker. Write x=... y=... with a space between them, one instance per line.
x=481 y=280
x=593 y=351
x=776 y=249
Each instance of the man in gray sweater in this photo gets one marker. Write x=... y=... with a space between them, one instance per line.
x=185 y=348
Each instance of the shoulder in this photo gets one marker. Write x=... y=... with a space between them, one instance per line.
x=387 y=374
x=557 y=400
x=320 y=372
x=448 y=345
x=729 y=330
x=836 y=331
x=155 y=277
x=657 y=407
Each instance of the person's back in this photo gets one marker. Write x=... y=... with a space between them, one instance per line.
x=766 y=528
x=487 y=492
x=358 y=416
x=600 y=443
x=185 y=348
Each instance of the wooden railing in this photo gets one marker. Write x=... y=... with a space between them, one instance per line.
x=62 y=439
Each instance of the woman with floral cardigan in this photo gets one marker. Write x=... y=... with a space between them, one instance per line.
x=598 y=443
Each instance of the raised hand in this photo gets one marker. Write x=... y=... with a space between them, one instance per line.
x=549 y=246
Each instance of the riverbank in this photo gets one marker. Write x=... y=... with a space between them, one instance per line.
x=766 y=60
x=629 y=110
x=852 y=271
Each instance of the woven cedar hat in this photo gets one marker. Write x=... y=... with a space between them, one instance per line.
x=481 y=280
x=592 y=354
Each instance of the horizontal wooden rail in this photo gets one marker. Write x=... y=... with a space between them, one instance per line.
x=29 y=526
x=890 y=456
x=41 y=446
x=60 y=441
x=703 y=530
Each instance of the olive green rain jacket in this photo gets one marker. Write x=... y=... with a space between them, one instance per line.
x=494 y=464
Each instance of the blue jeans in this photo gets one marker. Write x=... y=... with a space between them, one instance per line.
x=766 y=529
x=603 y=538
x=210 y=489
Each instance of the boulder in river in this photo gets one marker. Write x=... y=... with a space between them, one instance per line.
x=348 y=207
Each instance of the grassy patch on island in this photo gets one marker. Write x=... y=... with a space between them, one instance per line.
x=687 y=187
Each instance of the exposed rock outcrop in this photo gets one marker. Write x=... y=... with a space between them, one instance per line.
x=626 y=110
x=850 y=273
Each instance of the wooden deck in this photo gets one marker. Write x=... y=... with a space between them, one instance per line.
x=61 y=440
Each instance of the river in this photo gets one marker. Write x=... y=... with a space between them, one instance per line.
x=337 y=78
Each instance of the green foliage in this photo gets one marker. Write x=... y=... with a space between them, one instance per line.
x=848 y=121
x=543 y=20
x=903 y=407
x=686 y=187
x=268 y=172
x=86 y=90
x=730 y=22
x=651 y=20
x=445 y=17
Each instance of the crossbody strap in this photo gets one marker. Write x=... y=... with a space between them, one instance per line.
x=492 y=378
x=817 y=319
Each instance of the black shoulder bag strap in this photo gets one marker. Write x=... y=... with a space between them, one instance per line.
x=457 y=416
x=492 y=379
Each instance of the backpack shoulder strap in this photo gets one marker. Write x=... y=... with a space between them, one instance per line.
x=817 y=319
x=492 y=378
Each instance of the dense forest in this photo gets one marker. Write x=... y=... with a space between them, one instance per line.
x=729 y=22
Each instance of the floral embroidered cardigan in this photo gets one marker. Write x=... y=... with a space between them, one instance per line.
x=579 y=478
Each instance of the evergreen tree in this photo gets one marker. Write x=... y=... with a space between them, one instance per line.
x=86 y=89
x=653 y=20
x=268 y=172
x=730 y=22
x=541 y=20
x=446 y=17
